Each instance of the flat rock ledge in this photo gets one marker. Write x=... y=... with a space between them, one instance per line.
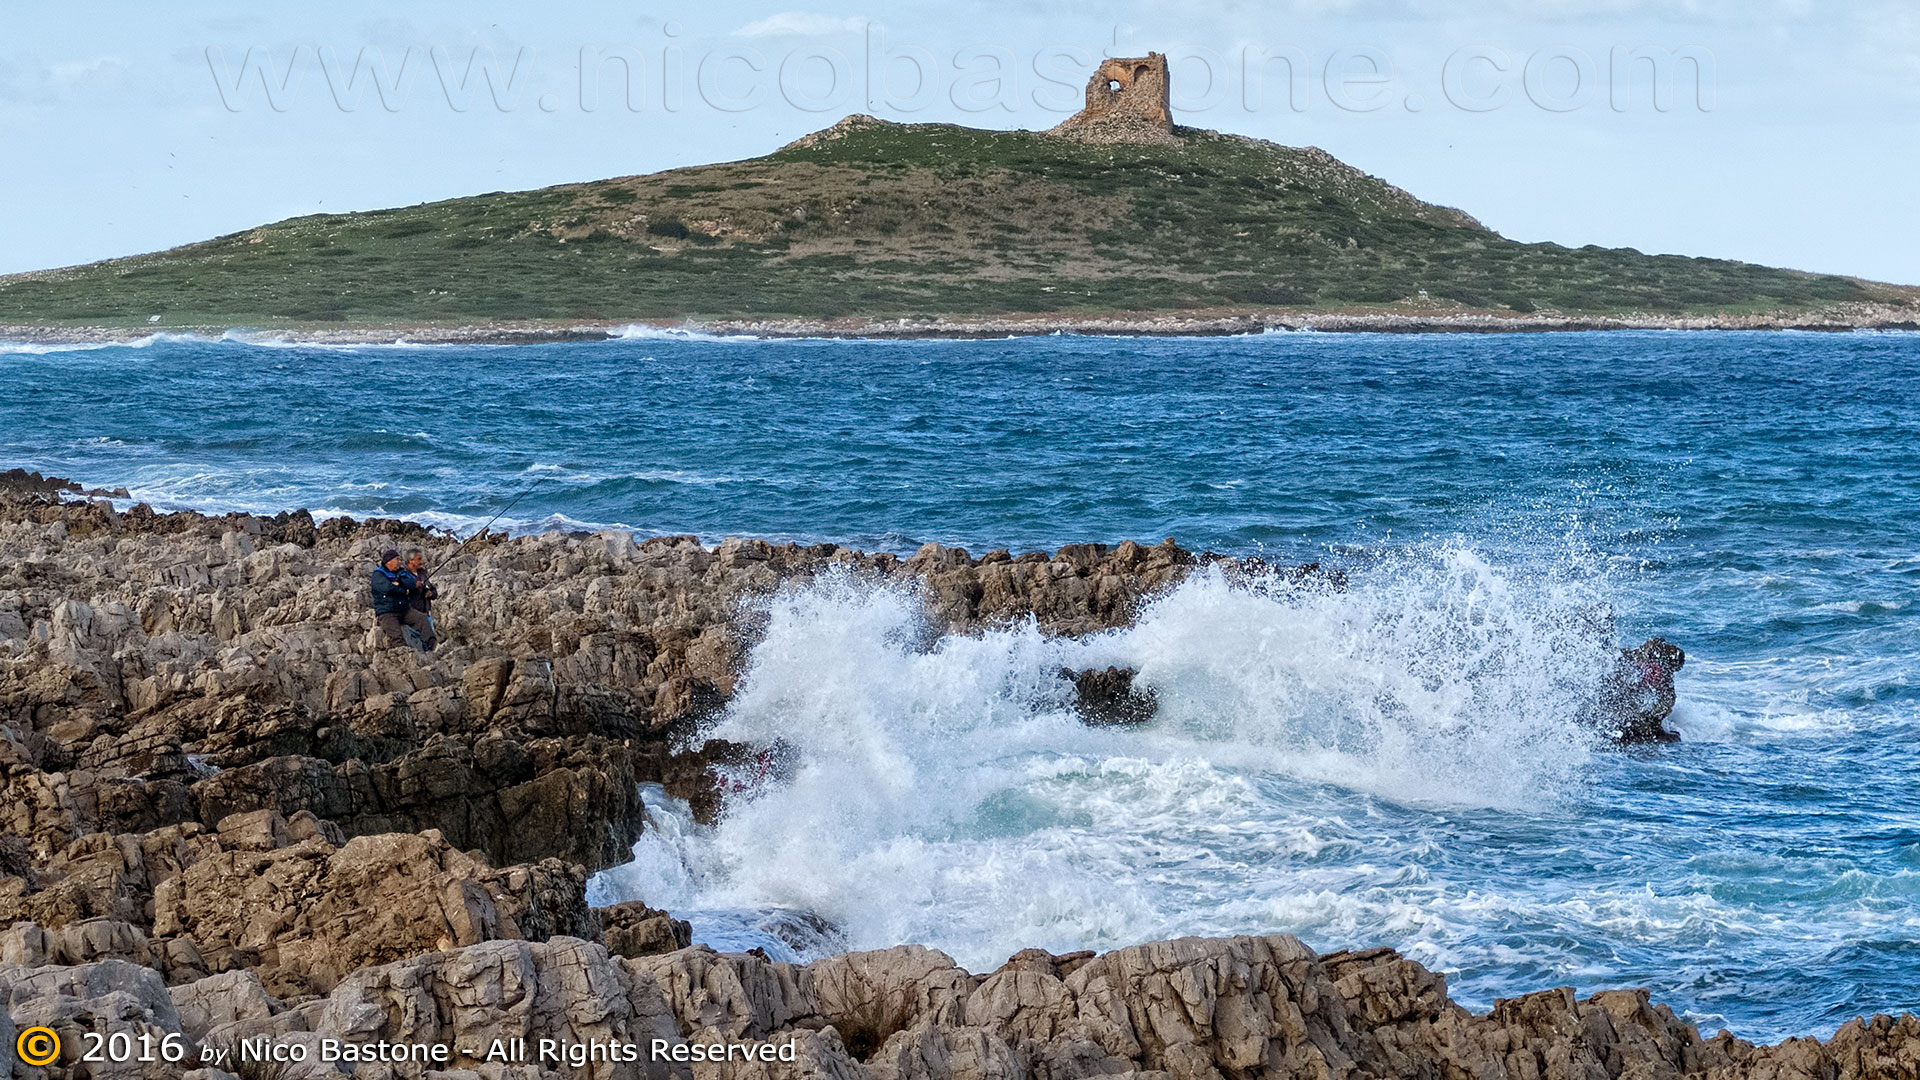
x=226 y=813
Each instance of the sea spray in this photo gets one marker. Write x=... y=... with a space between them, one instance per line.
x=1435 y=677
x=942 y=790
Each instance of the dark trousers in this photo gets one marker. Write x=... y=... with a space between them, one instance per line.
x=390 y=625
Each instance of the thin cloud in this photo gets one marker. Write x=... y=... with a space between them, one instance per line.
x=63 y=81
x=104 y=72
x=801 y=24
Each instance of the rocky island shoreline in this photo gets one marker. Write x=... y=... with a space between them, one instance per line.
x=1438 y=318
x=230 y=816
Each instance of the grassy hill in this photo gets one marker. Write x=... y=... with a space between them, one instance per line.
x=887 y=220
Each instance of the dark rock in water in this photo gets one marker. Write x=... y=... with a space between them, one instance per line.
x=633 y=929
x=691 y=775
x=22 y=482
x=1104 y=698
x=1331 y=578
x=1639 y=694
x=804 y=932
x=717 y=771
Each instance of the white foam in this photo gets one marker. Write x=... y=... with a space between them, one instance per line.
x=644 y=332
x=33 y=348
x=943 y=791
x=1865 y=607
x=239 y=335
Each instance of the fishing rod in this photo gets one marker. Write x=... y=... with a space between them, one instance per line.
x=543 y=478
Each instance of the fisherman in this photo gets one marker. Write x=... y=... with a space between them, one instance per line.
x=393 y=589
x=424 y=592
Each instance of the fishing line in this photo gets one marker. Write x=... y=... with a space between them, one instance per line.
x=483 y=529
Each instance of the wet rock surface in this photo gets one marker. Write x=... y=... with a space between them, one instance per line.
x=1104 y=697
x=22 y=482
x=227 y=813
x=1639 y=694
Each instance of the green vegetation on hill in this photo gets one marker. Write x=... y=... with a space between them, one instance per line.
x=886 y=220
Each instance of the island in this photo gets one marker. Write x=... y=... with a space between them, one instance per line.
x=1118 y=221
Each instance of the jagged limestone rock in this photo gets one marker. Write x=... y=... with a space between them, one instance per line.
x=1225 y=1007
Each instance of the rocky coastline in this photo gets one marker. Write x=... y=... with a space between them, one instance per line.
x=1432 y=318
x=231 y=816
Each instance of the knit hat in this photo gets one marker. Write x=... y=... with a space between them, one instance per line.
x=389 y=555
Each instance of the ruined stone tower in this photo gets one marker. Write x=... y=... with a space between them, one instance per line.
x=1128 y=100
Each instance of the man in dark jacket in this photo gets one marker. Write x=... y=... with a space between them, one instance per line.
x=424 y=592
x=393 y=589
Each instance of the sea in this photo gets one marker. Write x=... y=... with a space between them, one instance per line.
x=1397 y=763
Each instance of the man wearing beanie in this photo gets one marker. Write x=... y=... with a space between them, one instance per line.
x=392 y=587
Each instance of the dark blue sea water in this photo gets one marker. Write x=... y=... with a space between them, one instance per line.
x=1391 y=765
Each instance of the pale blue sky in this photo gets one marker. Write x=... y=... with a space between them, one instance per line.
x=1798 y=149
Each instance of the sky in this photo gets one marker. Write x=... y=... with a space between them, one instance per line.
x=1776 y=131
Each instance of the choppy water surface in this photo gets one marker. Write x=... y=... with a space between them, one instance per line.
x=1396 y=764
